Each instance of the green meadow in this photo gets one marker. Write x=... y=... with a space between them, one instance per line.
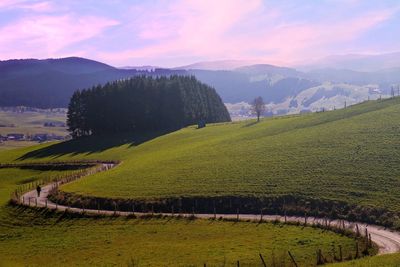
x=30 y=122
x=392 y=260
x=30 y=237
x=350 y=155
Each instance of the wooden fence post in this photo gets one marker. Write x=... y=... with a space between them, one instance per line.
x=237 y=264
x=215 y=212
x=319 y=257
x=262 y=260
x=357 y=252
x=237 y=214
x=370 y=241
x=340 y=253
x=294 y=262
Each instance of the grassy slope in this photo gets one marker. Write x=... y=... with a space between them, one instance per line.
x=392 y=260
x=363 y=162
x=31 y=122
x=50 y=239
x=7 y=145
x=350 y=155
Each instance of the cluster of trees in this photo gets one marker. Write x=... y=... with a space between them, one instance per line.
x=144 y=103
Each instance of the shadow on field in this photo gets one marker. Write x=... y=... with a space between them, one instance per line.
x=91 y=144
x=250 y=124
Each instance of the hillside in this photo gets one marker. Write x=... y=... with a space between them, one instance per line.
x=50 y=83
x=142 y=104
x=344 y=157
x=28 y=236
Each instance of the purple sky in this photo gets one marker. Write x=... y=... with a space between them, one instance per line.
x=179 y=32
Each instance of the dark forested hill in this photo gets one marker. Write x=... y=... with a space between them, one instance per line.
x=50 y=83
x=144 y=103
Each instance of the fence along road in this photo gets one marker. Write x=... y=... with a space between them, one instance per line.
x=387 y=240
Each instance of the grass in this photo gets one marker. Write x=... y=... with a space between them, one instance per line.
x=30 y=237
x=392 y=260
x=30 y=122
x=350 y=155
x=7 y=145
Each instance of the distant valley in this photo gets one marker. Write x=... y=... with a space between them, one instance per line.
x=50 y=83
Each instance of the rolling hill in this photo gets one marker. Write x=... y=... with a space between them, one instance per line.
x=28 y=236
x=344 y=159
x=50 y=83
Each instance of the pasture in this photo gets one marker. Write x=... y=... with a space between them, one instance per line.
x=30 y=237
x=348 y=155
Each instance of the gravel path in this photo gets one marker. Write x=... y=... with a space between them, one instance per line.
x=387 y=240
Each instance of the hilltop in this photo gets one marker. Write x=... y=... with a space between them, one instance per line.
x=50 y=83
x=343 y=158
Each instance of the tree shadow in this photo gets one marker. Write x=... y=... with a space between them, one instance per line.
x=91 y=144
x=250 y=124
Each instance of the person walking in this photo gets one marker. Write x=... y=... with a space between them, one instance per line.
x=38 y=189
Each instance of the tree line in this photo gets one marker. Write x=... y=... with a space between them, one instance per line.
x=144 y=103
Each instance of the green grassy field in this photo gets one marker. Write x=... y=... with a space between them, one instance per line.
x=38 y=238
x=31 y=122
x=350 y=155
x=392 y=260
x=7 y=145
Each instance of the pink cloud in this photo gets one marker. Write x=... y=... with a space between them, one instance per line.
x=45 y=36
x=207 y=29
x=193 y=27
x=44 y=6
x=180 y=31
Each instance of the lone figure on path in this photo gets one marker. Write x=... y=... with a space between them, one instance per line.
x=38 y=189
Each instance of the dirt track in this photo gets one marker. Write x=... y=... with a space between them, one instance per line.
x=387 y=240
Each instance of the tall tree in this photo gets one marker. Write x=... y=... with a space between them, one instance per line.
x=258 y=107
x=144 y=103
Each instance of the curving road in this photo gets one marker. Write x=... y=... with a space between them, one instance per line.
x=387 y=240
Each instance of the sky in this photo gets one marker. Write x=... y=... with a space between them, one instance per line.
x=179 y=32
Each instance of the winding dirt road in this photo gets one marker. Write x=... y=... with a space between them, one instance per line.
x=387 y=240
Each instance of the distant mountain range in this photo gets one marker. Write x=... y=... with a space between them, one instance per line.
x=50 y=83
x=358 y=62
x=218 y=65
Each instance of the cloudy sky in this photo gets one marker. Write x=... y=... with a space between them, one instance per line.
x=179 y=32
